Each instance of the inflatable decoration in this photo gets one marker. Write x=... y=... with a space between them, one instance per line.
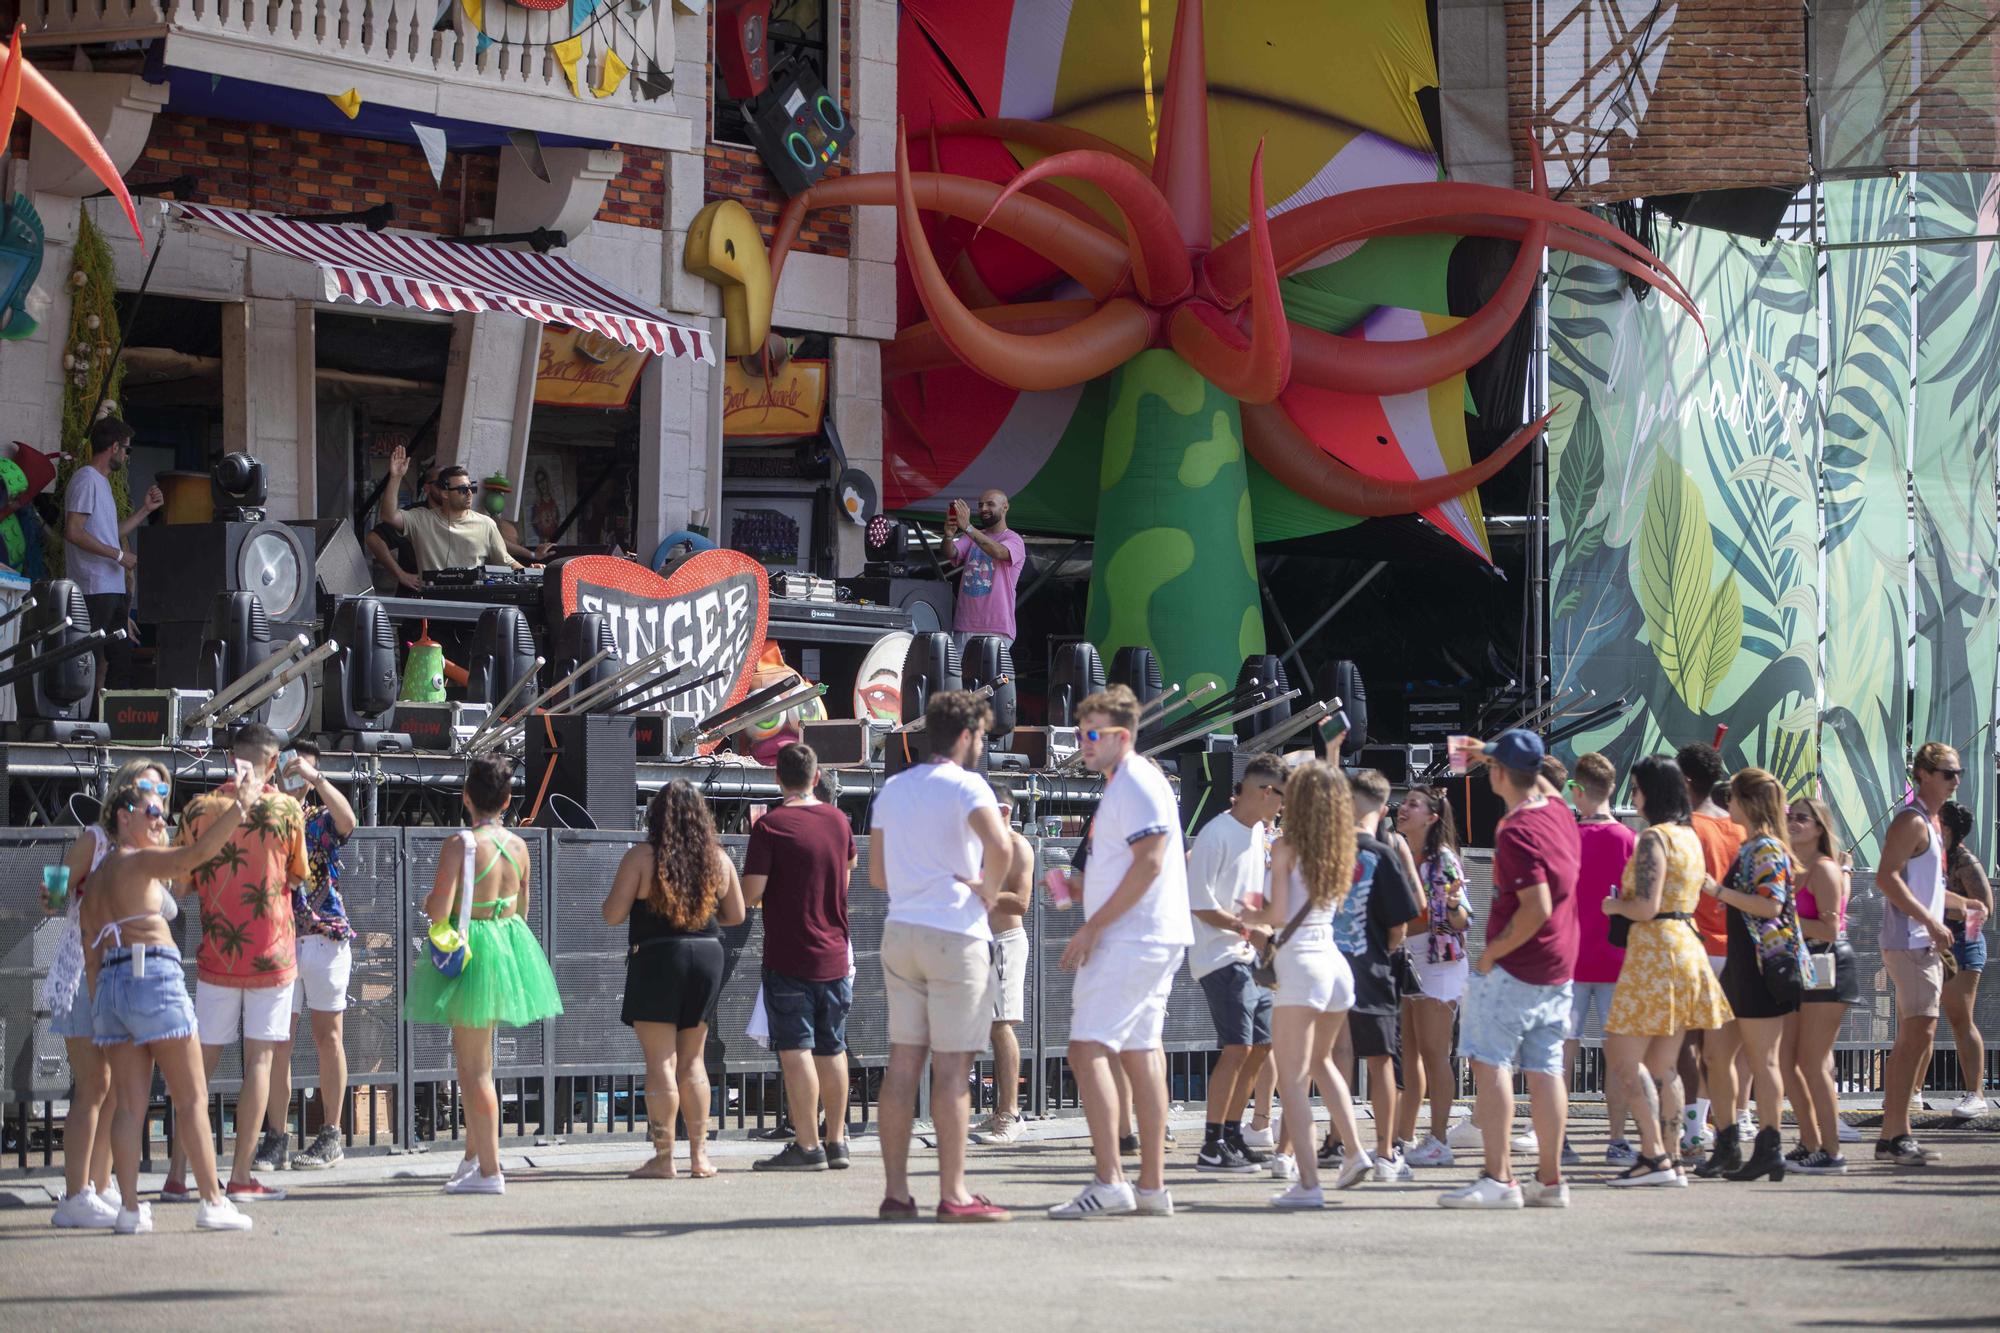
x=22 y=85
x=1211 y=390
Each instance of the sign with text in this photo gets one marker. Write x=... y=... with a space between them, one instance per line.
x=710 y=610
x=583 y=369
x=788 y=401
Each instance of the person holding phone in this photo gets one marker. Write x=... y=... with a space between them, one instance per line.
x=991 y=557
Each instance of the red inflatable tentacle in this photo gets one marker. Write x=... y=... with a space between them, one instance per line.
x=1288 y=454
x=1255 y=372
x=1042 y=136
x=39 y=98
x=921 y=347
x=1180 y=155
x=10 y=84
x=1092 y=346
x=1160 y=267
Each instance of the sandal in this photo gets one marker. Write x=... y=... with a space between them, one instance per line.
x=1648 y=1171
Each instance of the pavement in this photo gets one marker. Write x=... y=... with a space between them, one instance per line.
x=374 y=1244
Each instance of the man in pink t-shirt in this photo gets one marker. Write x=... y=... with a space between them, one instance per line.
x=991 y=556
x=1606 y=846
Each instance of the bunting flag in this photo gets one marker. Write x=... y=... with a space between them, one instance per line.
x=443 y=19
x=654 y=83
x=349 y=102
x=567 y=53
x=613 y=74
x=432 y=140
x=580 y=12
x=475 y=14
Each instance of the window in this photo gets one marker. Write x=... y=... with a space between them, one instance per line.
x=801 y=35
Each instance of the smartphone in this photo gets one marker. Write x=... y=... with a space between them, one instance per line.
x=242 y=771
x=289 y=780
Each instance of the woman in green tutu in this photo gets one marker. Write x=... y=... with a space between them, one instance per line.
x=506 y=979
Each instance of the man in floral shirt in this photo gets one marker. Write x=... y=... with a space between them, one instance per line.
x=246 y=965
x=326 y=960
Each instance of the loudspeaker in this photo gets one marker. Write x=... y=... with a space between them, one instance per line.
x=338 y=561
x=590 y=758
x=800 y=130
x=1263 y=669
x=1209 y=772
x=929 y=601
x=580 y=637
x=1075 y=671
x=844 y=743
x=502 y=651
x=1752 y=210
x=1342 y=679
x=1138 y=670
x=904 y=749
x=360 y=678
x=183 y=565
x=930 y=667
x=59 y=692
x=989 y=660
x=743 y=47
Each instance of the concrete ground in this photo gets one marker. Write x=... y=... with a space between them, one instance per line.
x=373 y=1244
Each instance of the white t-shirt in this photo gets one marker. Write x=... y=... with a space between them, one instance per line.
x=1225 y=867
x=89 y=494
x=1137 y=803
x=933 y=852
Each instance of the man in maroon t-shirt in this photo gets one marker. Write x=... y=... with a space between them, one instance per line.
x=796 y=868
x=1517 y=1002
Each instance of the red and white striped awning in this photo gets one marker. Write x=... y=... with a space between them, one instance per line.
x=430 y=273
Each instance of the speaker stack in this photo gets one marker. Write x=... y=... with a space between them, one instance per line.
x=182 y=566
x=589 y=758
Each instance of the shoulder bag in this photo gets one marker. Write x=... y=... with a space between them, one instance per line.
x=1265 y=970
x=451 y=949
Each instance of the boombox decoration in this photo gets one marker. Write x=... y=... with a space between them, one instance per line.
x=798 y=127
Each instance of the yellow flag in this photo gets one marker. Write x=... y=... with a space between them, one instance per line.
x=567 y=54
x=475 y=13
x=349 y=102
x=613 y=75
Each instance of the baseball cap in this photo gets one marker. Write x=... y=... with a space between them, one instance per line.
x=1519 y=750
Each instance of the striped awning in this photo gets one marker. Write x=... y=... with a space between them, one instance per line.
x=430 y=273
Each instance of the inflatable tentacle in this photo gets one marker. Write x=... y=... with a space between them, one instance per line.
x=39 y=98
x=1042 y=136
x=921 y=347
x=10 y=85
x=1208 y=340
x=1180 y=157
x=1300 y=465
x=1092 y=346
x=1160 y=267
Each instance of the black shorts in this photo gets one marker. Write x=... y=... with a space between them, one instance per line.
x=674 y=980
x=1377 y=1035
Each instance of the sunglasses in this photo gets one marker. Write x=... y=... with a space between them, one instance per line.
x=1949 y=774
x=458 y=490
x=1572 y=785
x=1096 y=734
x=1800 y=817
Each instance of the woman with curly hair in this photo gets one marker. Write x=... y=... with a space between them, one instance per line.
x=1312 y=868
x=671 y=892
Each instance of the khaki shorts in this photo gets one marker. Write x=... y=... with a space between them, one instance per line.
x=1918 y=976
x=942 y=987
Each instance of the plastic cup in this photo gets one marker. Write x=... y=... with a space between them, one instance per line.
x=55 y=883
x=1975 y=919
x=1458 y=753
x=1057 y=883
x=1052 y=826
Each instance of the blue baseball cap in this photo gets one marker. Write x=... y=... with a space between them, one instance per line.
x=1519 y=750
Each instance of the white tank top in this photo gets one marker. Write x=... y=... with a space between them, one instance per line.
x=1317 y=916
x=1924 y=873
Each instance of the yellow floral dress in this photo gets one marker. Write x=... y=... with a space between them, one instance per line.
x=1666 y=985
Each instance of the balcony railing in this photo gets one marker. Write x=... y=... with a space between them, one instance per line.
x=395 y=53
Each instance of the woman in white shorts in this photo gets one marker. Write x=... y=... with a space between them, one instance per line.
x=1437 y=950
x=1312 y=864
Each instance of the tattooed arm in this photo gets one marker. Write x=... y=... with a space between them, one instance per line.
x=1649 y=879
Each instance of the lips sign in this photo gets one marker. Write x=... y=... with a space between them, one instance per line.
x=710 y=610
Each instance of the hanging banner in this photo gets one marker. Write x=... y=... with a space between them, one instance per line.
x=788 y=402
x=583 y=369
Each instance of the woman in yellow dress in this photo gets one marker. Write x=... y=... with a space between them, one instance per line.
x=1665 y=986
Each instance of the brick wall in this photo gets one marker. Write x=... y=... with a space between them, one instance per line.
x=1726 y=109
x=637 y=197
x=281 y=170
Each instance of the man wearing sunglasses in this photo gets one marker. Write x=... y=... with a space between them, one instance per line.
x=1915 y=940
x=452 y=536
x=95 y=537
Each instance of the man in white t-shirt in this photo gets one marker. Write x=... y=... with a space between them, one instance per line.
x=1227 y=867
x=1136 y=929
x=96 y=558
x=941 y=851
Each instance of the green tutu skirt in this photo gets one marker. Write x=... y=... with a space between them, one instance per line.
x=506 y=982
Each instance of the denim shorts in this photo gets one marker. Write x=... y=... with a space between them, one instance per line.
x=76 y=1020
x=806 y=1014
x=1970 y=953
x=1240 y=1007
x=142 y=1010
x=1513 y=1024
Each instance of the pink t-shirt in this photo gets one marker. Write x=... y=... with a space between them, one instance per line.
x=1606 y=849
x=986 y=589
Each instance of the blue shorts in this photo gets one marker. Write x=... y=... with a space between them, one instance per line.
x=142 y=1010
x=1513 y=1024
x=1240 y=1007
x=806 y=1014
x=75 y=1020
x=1970 y=953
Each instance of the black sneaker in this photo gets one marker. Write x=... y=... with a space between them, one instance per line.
x=1821 y=1163
x=1128 y=1145
x=1218 y=1155
x=1904 y=1150
x=836 y=1156
x=793 y=1158
x=1330 y=1152
x=1254 y=1156
x=1799 y=1154
x=272 y=1154
x=323 y=1152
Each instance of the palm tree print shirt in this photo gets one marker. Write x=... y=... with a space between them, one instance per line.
x=246 y=891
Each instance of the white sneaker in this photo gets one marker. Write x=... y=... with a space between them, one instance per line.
x=1485 y=1192
x=111 y=1196
x=1282 y=1166
x=1464 y=1134
x=1098 y=1199
x=1848 y=1133
x=1389 y=1170
x=1746 y=1127
x=1535 y=1194
x=1153 y=1203
x=466 y=1166
x=222 y=1215
x=1970 y=1105
x=1431 y=1152
x=84 y=1210
x=477 y=1182
x=1354 y=1172
x=1259 y=1138
x=134 y=1222
x=1298 y=1196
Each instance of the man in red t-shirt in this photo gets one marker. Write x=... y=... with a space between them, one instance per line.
x=1517 y=1001
x=796 y=869
x=1702 y=767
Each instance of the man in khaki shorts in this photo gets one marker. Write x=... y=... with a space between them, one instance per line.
x=941 y=851
x=1010 y=1004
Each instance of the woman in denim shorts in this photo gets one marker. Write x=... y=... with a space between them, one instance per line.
x=140 y=1011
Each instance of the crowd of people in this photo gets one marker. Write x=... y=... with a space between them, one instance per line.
x=1329 y=934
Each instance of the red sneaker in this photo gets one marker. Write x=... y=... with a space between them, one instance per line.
x=252 y=1191
x=176 y=1191
x=897 y=1210
x=981 y=1209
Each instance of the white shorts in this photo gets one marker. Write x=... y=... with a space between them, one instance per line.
x=1718 y=961
x=1313 y=974
x=1120 y=997
x=324 y=967
x=1010 y=960
x=1443 y=982
x=223 y=1013
x=1585 y=996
